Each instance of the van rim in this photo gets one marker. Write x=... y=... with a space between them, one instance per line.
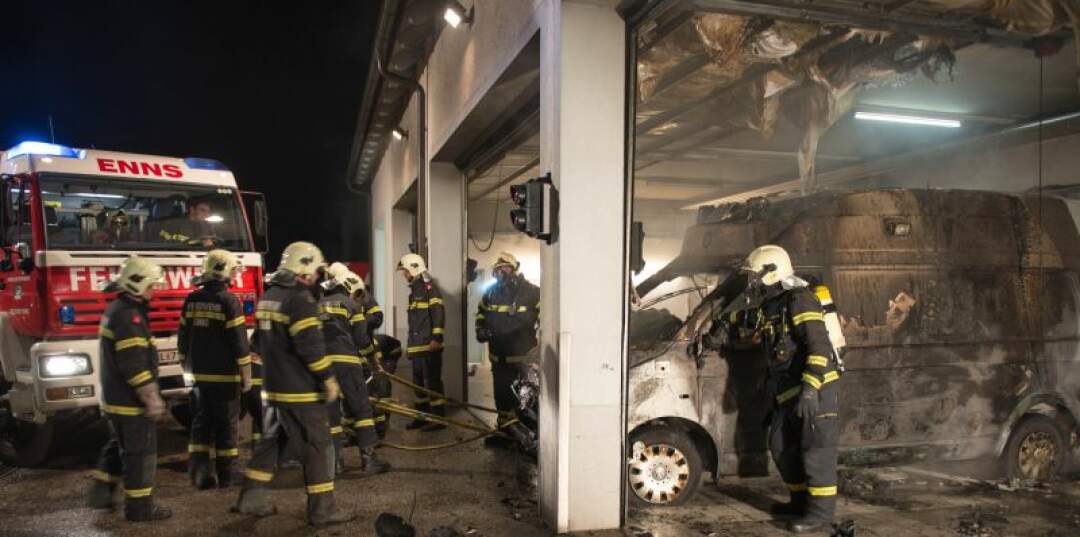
x=1037 y=456
x=659 y=473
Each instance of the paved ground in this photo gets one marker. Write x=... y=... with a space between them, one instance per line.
x=493 y=493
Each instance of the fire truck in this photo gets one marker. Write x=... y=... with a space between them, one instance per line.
x=69 y=218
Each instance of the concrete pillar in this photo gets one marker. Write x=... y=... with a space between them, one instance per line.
x=402 y=223
x=445 y=229
x=582 y=98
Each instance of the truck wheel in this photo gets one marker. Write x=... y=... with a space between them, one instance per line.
x=26 y=444
x=665 y=467
x=1036 y=449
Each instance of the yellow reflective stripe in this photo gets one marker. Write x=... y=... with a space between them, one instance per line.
x=335 y=310
x=215 y=378
x=366 y=351
x=380 y=418
x=812 y=380
x=806 y=317
x=139 y=493
x=256 y=436
x=303 y=324
x=480 y=317
x=370 y=422
x=256 y=382
x=420 y=348
x=107 y=478
x=320 y=488
x=823 y=294
x=305 y=397
x=418 y=305
x=817 y=360
x=199 y=448
x=788 y=394
x=239 y=321
x=258 y=475
x=822 y=491
x=373 y=309
x=120 y=410
x=337 y=429
x=272 y=316
x=132 y=342
x=231 y=452
x=796 y=487
x=437 y=331
x=522 y=309
x=345 y=359
x=244 y=360
x=320 y=364
x=435 y=301
x=140 y=378
x=438 y=402
x=106 y=333
x=359 y=317
x=198 y=314
x=831 y=376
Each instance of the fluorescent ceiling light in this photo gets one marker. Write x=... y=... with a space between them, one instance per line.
x=452 y=17
x=399 y=134
x=456 y=14
x=103 y=196
x=215 y=219
x=910 y=120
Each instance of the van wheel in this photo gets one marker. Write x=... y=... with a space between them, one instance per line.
x=26 y=444
x=665 y=467
x=1036 y=449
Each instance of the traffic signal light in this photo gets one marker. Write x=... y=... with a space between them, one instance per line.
x=535 y=209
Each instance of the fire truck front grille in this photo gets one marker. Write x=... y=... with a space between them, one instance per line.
x=164 y=310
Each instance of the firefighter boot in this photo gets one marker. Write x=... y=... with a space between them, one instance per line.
x=144 y=510
x=370 y=464
x=101 y=495
x=432 y=427
x=224 y=471
x=199 y=471
x=323 y=511
x=254 y=501
x=795 y=507
x=416 y=423
x=806 y=524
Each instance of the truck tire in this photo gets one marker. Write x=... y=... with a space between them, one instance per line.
x=1036 y=449
x=664 y=468
x=26 y=444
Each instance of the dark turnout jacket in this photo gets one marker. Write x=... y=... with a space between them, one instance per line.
x=795 y=339
x=344 y=328
x=291 y=344
x=213 y=337
x=510 y=310
x=427 y=314
x=128 y=357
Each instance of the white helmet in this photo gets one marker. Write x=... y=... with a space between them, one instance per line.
x=136 y=276
x=770 y=263
x=302 y=258
x=219 y=265
x=339 y=275
x=413 y=264
x=506 y=259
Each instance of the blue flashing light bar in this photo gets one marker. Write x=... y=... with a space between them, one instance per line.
x=67 y=314
x=249 y=307
x=42 y=148
x=204 y=164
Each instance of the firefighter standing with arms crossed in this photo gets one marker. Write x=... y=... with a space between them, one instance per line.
x=425 y=344
x=801 y=384
x=347 y=337
x=130 y=397
x=213 y=345
x=506 y=320
x=297 y=385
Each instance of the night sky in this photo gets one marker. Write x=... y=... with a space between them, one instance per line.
x=272 y=89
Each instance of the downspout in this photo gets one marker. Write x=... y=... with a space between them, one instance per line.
x=421 y=167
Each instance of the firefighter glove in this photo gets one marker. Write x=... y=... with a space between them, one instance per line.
x=332 y=390
x=148 y=394
x=483 y=335
x=808 y=403
x=436 y=345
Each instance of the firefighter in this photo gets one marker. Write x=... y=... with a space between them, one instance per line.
x=346 y=338
x=506 y=320
x=801 y=385
x=252 y=399
x=213 y=345
x=130 y=397
x=387 y=352
x=195 y=230
x=425 y=343
x=298 y=382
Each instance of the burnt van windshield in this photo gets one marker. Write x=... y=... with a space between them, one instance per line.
x=89 y=213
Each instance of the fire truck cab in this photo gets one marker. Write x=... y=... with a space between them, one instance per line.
x=68 y=219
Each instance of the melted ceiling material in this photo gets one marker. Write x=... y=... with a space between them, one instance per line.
x=719 y=74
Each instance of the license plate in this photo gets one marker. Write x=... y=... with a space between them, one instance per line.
x=168 y=357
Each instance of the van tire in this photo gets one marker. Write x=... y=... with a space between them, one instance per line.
x=1036 y=449
x=667 y=472
x=26 y=444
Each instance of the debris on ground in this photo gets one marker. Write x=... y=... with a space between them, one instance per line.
x=843 y=529
x=388 y=525
x=444 y=531
x=981 y=523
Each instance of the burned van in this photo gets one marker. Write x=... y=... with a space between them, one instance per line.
x=960 y=313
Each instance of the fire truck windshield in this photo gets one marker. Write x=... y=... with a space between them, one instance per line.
x=90 y=213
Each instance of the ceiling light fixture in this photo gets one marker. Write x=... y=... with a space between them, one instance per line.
x=456 y=14
x=910 y=120
x=400 y=133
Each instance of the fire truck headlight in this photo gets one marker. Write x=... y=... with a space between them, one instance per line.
x=65 y=365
